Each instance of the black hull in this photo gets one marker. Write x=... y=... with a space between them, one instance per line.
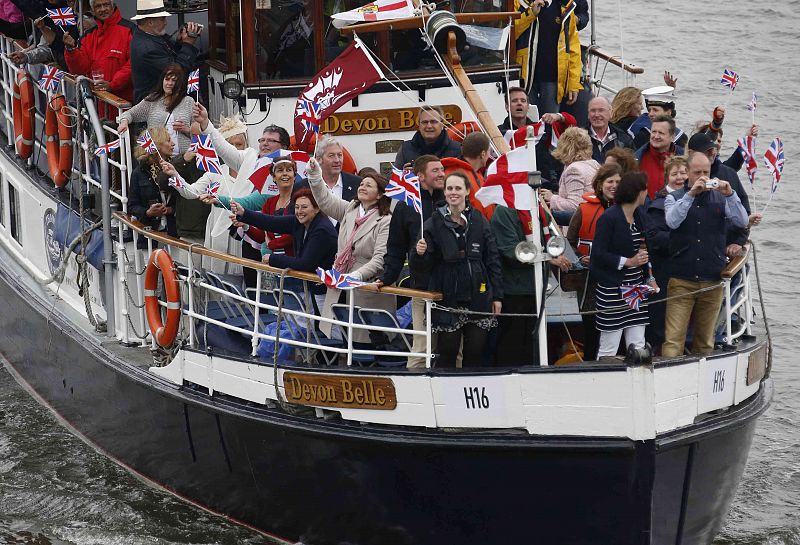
x=329 y=482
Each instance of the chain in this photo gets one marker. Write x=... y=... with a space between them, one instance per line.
x=128 y=261
x=133 y=328
x=437 y=306
x=130 y=296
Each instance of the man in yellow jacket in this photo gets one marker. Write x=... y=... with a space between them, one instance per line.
x=549 y=52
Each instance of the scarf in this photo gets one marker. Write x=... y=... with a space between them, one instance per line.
x=345 y=260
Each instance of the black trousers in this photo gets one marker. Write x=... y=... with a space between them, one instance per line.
x=448 y=344
x=515 y=336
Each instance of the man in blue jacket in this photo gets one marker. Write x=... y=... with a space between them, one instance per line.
x=697 y=216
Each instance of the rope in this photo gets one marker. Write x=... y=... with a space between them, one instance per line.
x=763 y=310
x=580 y=313
x=58 y=274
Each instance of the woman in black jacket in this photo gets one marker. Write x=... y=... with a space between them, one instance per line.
x=620 y=258
x=150 y=198
x=459 y=252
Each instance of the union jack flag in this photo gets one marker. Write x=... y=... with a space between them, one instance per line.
x=634 y=295
x=51 y=77
x=193 y=84
x=213 y=188
x=62 y=17
x=107 y=148
x=753 y=103
x=206 y=158
x=334 y=279
x=261 y=178
x=177 y=182
x=146 y=142
x=730 y=79
x=308 y=112
x=404 y=186
x=774 y=160
x=747 y=147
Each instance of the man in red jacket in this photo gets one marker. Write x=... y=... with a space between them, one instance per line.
x=103 y=53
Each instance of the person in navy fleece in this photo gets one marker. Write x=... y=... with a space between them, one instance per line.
x=314 y=235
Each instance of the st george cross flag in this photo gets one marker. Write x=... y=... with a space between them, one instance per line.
x=107 y=148
x=334 y=279
x=380 y=10
x=634 y=295
x=747 y=147
x=517 y=138
x=206 y=158
x=62 y=17
x=349 y=75
x=193 y=83
x=774 y=160
x=51 y=77
x=146 y=142
x=729 y=79
x=261 y=178
x=404 y=186
x=507 y=182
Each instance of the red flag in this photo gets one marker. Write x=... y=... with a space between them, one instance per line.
x=349 y=75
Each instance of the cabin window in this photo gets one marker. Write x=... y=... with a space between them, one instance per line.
x=2 y=201
x=224 y=36
x=287 y=47
x=14 y=213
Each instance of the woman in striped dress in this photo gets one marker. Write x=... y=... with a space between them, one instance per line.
x=619 y=258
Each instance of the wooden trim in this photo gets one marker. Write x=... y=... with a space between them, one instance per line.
x=249 y=263
x=616 y=61
x=106 y=96
x=247 y=11
x=416 y=22
x=736 y=264
x=319 y=36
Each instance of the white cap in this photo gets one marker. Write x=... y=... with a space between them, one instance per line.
x=664 y=93
x=150 y=8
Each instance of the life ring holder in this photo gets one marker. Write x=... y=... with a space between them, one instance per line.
x=161 y=262
x=23 y=113
x=58 y=137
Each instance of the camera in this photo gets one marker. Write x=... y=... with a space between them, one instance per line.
x=712 y=184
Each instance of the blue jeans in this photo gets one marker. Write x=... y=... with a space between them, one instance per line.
x=562 y=217
x=544 y=96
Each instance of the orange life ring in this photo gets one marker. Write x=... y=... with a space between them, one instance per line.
x=58 y=137
x=348 y=163
x=160 y=261
x=458 y=131
x=23 y=113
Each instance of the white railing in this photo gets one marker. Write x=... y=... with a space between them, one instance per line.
x=198 y=288
x=738 y=302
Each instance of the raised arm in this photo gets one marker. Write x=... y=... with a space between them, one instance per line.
x=331 y=205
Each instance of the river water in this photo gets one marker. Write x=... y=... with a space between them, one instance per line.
x=56 y=490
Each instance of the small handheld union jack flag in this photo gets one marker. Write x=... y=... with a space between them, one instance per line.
x=51 y=77
x=62 y=17
x=308 y=112
x=177 y=182
x=213 y=188
x=334 y=279
x=634 y=295
x=207 y=159
x=747 y=147
x=729 y=79
x=774 y=160
x=193 y=84
x=146 y=142
x=404 y=186
x=107 y=148
x=753 y=103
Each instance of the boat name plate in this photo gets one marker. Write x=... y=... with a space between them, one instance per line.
x=341 y=391
x=756 y=365
x=375 y=121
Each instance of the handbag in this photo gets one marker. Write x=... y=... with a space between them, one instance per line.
x=573 y=280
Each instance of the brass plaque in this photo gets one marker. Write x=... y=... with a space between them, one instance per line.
x=388 y=146
x=376 y=121
x=756 y=365
x=346 y=392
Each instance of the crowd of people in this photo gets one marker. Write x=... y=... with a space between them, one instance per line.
x=640 y=202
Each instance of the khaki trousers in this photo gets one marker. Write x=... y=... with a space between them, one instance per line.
x=418 y=343
x=705 y=306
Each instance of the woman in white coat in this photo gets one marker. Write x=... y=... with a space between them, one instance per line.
x=230 y=141
x=363 y=233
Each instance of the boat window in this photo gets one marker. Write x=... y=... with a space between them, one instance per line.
x=2 y=200
x=13 y=213
x=224 y=35
x=284 y=39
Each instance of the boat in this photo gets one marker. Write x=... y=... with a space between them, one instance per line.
x=636 y=450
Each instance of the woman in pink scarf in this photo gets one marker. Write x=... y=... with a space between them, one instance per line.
x=363 y=233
